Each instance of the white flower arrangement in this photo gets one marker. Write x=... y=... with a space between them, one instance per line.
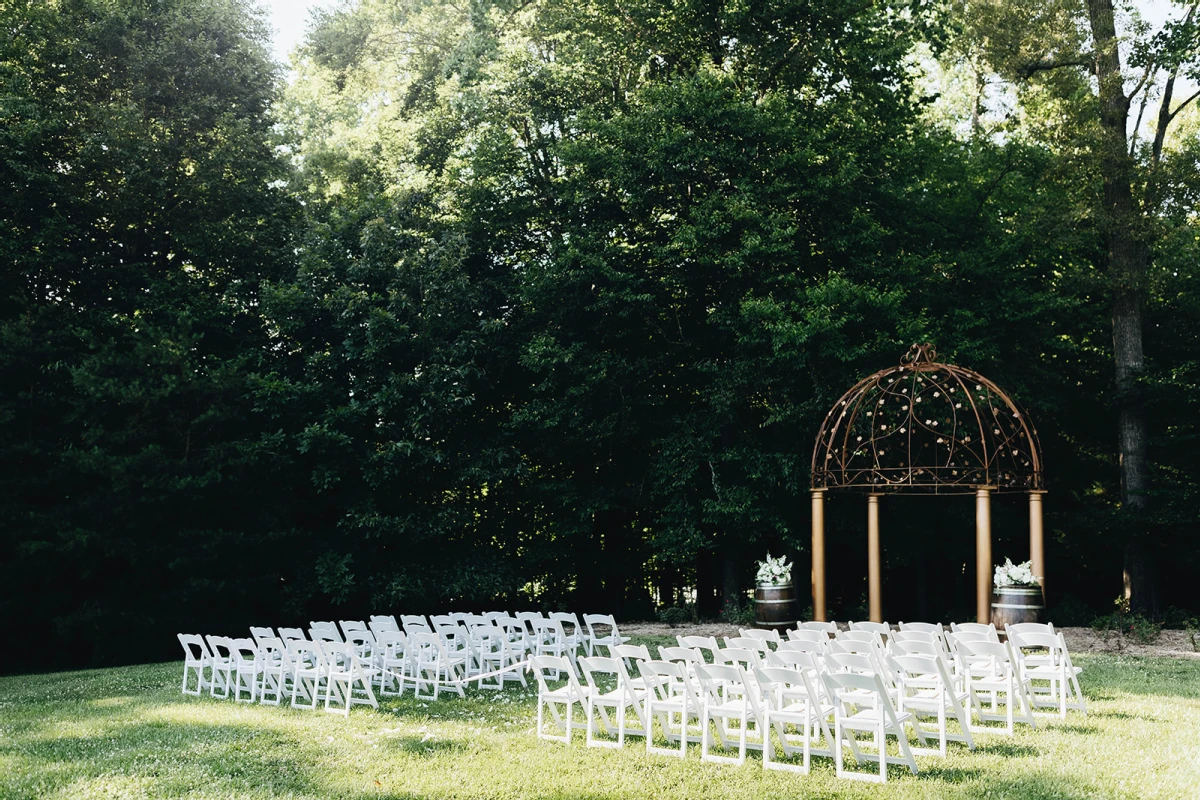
x=774 y=571
x=1010 y=574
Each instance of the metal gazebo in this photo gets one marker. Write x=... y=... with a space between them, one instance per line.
x=925 y=427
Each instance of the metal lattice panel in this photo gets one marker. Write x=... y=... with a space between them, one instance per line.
x=926 y=427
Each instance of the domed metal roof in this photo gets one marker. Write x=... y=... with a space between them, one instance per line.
x=927 y=427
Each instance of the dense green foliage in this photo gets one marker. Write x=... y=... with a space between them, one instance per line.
x=530 y=305
x=128 y=733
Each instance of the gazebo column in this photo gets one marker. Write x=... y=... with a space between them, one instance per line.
x=818 y=554
x=983 y=554
x=1037 y=549
x=873 y=582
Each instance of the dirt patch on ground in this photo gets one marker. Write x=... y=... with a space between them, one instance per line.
x=1177 y=644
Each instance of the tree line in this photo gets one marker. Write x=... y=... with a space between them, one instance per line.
x=540 y=304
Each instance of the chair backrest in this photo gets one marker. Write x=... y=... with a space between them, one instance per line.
x=682 y=654
x=664 y=677
x=797 y=635
x=746 y=643
x=703 y=644
x=542 y=666
x=748 y=659
x=716 y=679
x=274 y=651
x=770 y=637
x=1020 y=628
x=988 y=629
x=258 y=634
x=999 y=654
x=305 y=654
x=1053 y=643
x=922 y=668
x=351 y=625
x=600 y=625
x=915 y=636
x=882 y=628
x=391 y=645
x=324 y=631
x=847 y=644
x=814 y=625
x=869 y=637
x=801 y=646
x=792 y=659
x=196 y=651
x=460 y=616
x=363 y=641
x=839 y=685
x=569 y=621
x=780 y=685
x=243 y=650
x=442 y=620
x=414 y=622
x=923 y=627
x=592 y=666
x=916 y=647
x=288 y=634
x=382 y=622
x=851 y=662
x=219 y=646
x=952 y=639
x=339 y=656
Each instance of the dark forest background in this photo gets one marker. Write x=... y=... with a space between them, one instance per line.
x=540 y=304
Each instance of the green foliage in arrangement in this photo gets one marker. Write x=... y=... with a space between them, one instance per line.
x=540 y=305
x=128 y=732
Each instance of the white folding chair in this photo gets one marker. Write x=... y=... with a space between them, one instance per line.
x=789 y=697
x=601 y=632
x=275 y=671
x=925 y=688
x=393 y=662
x=348 y=681
x=670 y=691
x=993 y=672
x=1046 y=664
x=568 y=696
x=246 y=667
x=877 y=717
x=726 y=696
x=222 y=665
x=309 y=672
x=433 y=665
x=196 y=658
x=602 y=677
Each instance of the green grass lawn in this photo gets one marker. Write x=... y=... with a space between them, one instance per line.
x=128 y=732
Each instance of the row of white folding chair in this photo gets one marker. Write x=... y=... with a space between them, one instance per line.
x=711 y=696
x=264 y=670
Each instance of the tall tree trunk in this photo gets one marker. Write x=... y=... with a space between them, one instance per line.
x=1128 y=256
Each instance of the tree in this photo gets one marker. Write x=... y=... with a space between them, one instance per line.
x=1070 y=54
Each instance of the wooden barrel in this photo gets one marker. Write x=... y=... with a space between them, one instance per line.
x=1016 y=604
x=775 y=607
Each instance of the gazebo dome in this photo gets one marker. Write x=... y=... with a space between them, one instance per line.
x=927 y=427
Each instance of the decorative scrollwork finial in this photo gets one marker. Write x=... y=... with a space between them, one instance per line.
x=920 y=352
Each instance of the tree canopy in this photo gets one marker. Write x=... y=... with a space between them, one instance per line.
x=541 y=304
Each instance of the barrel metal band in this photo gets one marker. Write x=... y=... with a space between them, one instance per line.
x=1014 y=605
